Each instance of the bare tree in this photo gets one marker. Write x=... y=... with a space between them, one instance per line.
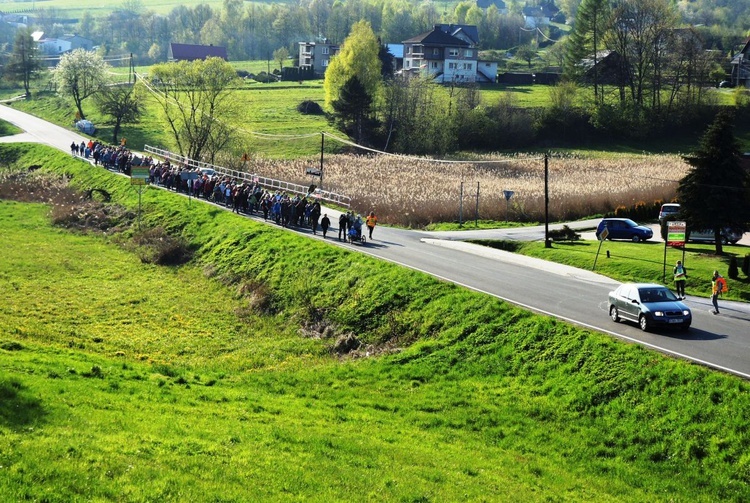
x=195 y=98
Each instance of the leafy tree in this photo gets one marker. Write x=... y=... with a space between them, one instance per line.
x=195 y=98
x=386 y=61
x=353 y=107
x=358 y=58
x=280 y=55
x=123 y=104
x=24 y=64
x=526 y=53
x=716 y=192
x=586 y=40
x=80 y=74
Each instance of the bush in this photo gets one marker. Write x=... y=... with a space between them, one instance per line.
x=564 y=234
x=156 y=246
x=734 y=271
x=310 y=107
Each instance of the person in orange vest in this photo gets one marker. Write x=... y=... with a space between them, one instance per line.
x=370 y=222
x=718 y=286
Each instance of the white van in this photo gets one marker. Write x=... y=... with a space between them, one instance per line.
x=668 y=210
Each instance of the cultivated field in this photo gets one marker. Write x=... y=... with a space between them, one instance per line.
x=409 y=192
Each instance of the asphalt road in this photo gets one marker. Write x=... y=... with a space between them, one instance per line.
x=573 y=295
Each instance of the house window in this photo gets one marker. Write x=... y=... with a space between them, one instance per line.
x=467 y=53
x=325 y=50
x=436 y=52
x=408 y=49
x=408 y=64
x=434 y=65
x=452 y=66
x=453 y=52
x=468 y=66
x=325 y=63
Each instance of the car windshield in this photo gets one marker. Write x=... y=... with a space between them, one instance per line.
x=653 y=294
x=630 y=223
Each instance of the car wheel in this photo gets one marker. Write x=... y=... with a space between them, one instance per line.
x=643 y=323
x=614 y=314
x=636 y=239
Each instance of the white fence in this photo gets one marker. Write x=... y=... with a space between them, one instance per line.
x=268 y=183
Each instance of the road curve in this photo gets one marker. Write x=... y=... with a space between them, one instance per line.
x=574 y=295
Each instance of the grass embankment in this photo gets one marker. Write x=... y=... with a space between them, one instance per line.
x=8 y=129
x=124 y=381
x=644 y=262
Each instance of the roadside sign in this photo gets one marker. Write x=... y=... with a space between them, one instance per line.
x=508 y=194
x=312 y=171
x=676 y=233
x=139 y=176
x=603 y=235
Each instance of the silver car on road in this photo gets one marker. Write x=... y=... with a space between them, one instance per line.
x=650 y=305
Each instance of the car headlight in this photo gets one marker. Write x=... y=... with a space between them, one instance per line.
x=658 y=313
x=685 y=312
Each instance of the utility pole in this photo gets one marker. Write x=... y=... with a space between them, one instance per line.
x=547 y=243
x=322 y=144
x=476 y=209
x=461 y=206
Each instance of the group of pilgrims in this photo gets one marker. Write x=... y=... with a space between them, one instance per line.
x=243 y=197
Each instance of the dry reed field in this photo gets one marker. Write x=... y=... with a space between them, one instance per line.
x=413 y=193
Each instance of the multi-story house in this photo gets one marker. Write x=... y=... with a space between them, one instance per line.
x=449 y=53
x=741 y=67
x=317 y=55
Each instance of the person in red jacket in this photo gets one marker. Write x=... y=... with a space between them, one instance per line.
x=718 y=286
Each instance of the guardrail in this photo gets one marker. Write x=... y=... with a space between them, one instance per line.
x=268 y=183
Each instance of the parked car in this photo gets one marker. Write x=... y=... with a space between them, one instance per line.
x=668 y=210
x=649 y=305
x=725 y=84
x=728 y=236
x=624 y=228
x=86 y=126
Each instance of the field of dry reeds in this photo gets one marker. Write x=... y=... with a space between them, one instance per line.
x=413 y=193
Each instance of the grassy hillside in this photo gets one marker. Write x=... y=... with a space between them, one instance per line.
x=216 y=381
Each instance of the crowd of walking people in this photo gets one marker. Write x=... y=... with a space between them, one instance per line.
x=243 y=197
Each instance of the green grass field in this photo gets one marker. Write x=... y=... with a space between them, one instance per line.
x=263 y=108
x=133 y=382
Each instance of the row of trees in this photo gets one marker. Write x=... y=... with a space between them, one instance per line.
x=194 y=98
x=252 y=31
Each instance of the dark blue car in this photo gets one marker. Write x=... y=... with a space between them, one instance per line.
x=624 y=228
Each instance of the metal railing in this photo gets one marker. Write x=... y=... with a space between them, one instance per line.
x=265 y=182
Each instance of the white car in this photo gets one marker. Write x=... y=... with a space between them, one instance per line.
x=728 y=236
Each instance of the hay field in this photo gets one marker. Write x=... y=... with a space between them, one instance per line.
x=414 y=193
